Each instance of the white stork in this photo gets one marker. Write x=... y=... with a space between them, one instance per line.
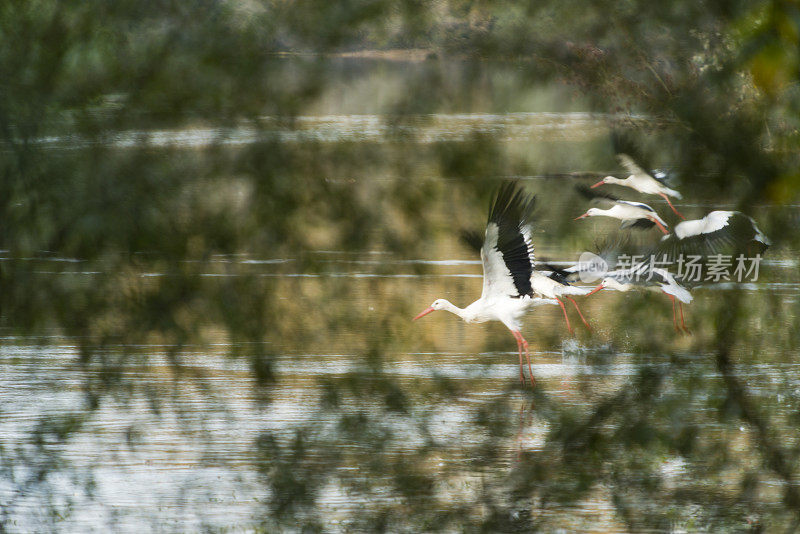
x=642 y=276
x=632 y=214
x=508 y=274
x=642 y=181
x=716 y=231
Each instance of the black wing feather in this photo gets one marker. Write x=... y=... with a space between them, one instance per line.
x=639 y=224
x=472 y=239
x=511 y=211
x=594 y=194
x=558 y=274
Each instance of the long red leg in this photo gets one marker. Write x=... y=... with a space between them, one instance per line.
x=660 y=226
x=517 y=336
x=569 y=327
x=527 y=357
x=579 y=312
x=674 y=316
x=683 y=323
x=671 y=206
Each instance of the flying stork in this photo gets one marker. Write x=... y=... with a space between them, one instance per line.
x=642 y=181
x=642 y=276
x=511 y=287
x=632 y=214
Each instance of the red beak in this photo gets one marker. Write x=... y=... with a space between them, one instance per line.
x=595 y=290
x=423 y=314
x=582 y=216
x=598 y=184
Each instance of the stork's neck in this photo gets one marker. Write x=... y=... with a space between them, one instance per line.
x=452 y=308
x=614 y=180
x=618 y=286
x=610 y=212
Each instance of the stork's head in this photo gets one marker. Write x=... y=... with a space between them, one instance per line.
x=610 y=283
x=438 y=304
x=591 y=212
x=606 y=180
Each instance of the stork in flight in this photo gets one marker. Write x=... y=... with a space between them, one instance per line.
x=509 y=280
x=642 y=181
x=632 y=214
x=719 y=231
x=642 y=276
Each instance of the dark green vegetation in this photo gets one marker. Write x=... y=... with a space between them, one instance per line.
x=87 y=90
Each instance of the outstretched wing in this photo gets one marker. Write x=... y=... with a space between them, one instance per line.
x=636 y=205
x=558 y=274
x=612 y=247
x=597 y=197
x=630 y=165
x=663 y=177
x=639 y=224
x=507 y=251
x=472 y=239
x=728 y=232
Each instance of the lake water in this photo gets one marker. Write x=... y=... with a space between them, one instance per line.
x=204 y=445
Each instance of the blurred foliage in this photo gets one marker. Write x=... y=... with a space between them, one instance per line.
x=115 y=234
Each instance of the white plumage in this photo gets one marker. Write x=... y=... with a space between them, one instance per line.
x=630 y=213
x=511 y=287
x=717 y=221
x=729 y=232
x=641 y=181
x=497 y=278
